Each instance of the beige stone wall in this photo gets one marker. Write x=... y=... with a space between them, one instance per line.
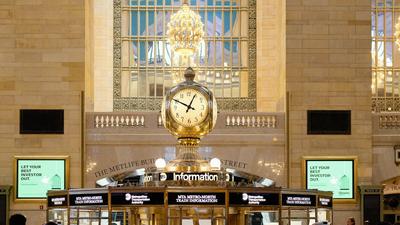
x=271 y=83
x=99 y=53
x=41 y=66
x=328 y=67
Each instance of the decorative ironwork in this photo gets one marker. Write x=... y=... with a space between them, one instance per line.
x=154 y=103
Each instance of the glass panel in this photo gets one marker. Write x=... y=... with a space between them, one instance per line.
x=389 y=80
x=151 y=82
x=380 y=83
x=396 y=83
x=235 y=84
x=227 y=23
x=210 y=23
x=380 y=53
x=142 y=53
x=389 y=25
x=218 y=23
x=134 y=23
x=389 y=56
x=149 y=50
x=142 y=83
x=134 y=54
x=227 y=84
x=227 y=53
x=133 y=88
x=219 y=52
x=218 y=84
x=160 y=23
x=142 y=23
x=380 y=28
x=373 y=27
x=151 y=25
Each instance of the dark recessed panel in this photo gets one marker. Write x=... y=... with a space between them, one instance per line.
x=3 y=209
x=39 y=121
x=328 y=122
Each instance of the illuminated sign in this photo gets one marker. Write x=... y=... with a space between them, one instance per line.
x=324 y=201
x=336 y=176
x=298 y=200
x=185 y=198
x=34 y=177
x=254 y=199
x=188 y=177
x=132 y=198
x=57 y=201
x=88 y=199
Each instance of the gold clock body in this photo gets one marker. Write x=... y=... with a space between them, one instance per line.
x=189 y=110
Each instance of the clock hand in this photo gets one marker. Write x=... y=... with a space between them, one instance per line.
x=190 y=104
x=183 y=104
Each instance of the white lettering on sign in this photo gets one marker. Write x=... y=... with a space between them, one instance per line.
x=137 y=199
x=196 y=177
x=324 y=201
x=256 y=199
x=89 y=200
x=197 y=199
x=58 y=201
x=299 y=200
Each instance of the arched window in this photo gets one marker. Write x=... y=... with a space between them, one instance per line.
x=145 y=67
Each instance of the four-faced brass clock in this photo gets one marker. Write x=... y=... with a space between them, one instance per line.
x=189 y=110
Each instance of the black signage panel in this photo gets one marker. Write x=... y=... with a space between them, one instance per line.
x=325 y=201
x=254 y=199
x=135 y=198
x=57 y=201
x=88 y=199
x=298 y=200
x=193 y=198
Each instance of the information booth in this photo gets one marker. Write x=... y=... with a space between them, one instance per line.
x=189 y=206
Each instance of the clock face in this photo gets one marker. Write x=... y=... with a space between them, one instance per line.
x=189 y=107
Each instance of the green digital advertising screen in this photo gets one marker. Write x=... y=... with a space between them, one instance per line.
x=336 y=176
x=36 y=176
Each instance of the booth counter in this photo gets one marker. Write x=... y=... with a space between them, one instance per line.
x=189 y=206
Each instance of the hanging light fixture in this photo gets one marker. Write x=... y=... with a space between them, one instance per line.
x=185 y=31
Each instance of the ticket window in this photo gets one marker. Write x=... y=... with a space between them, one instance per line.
x=147 y=216
x=196 y=216
x=262 y=217
x=253 y=216
x=298 y=216
x=120 y=216
x=59 y=216
x=324 y=214
x=89 y=216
